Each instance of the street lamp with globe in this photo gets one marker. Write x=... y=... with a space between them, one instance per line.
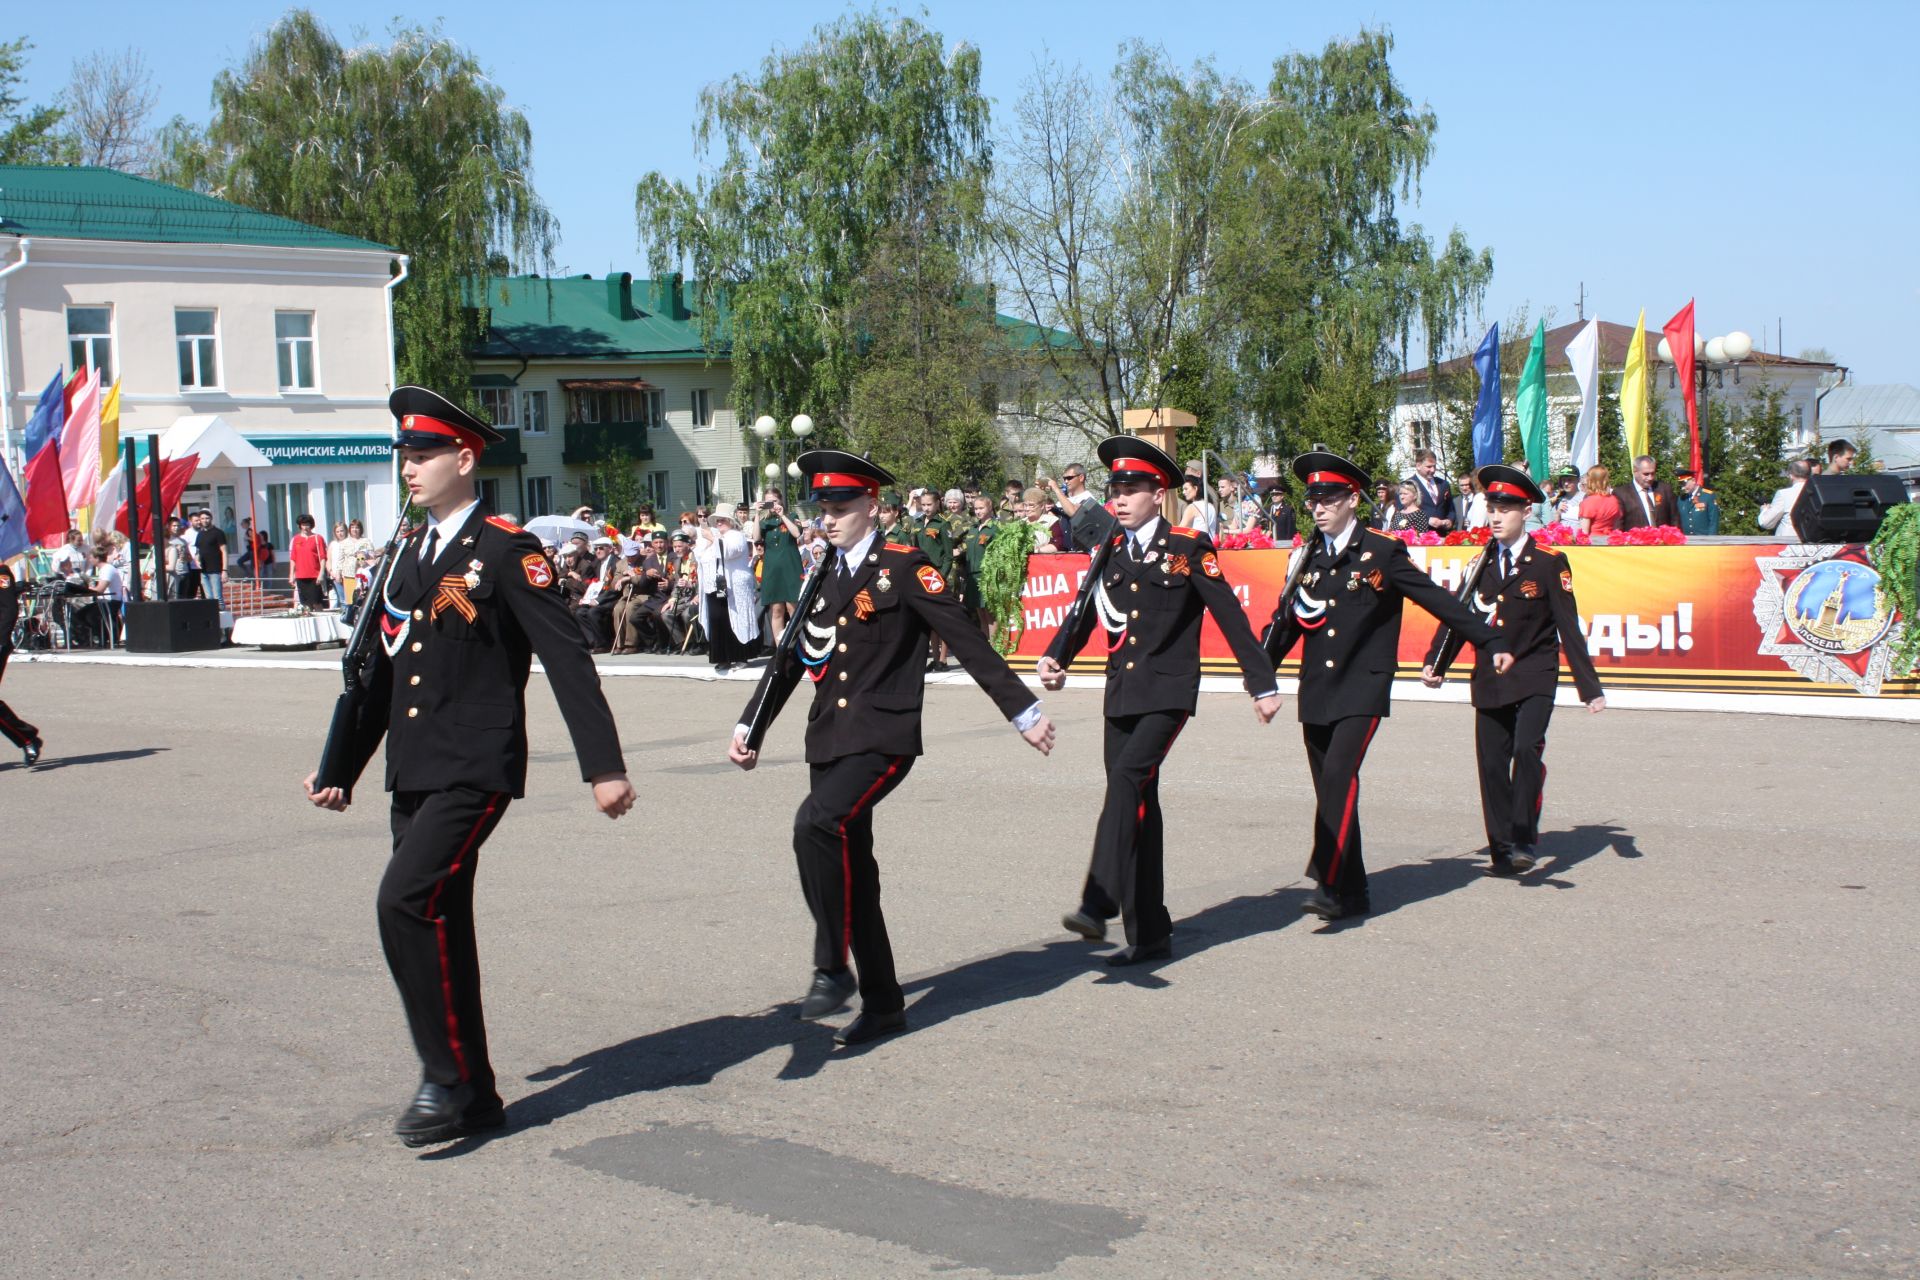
x=768 y=430
x=1712 y=356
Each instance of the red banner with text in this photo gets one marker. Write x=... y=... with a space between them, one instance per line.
x=1766 y=618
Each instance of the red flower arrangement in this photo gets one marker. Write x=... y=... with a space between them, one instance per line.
x=1560 y=535
x=1251 y=540
x=1468 y=538
x=1657 y=536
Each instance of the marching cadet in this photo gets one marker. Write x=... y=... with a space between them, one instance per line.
x=12 y=727
x=864 y=647
x=469 y=600
x=1526 y=591
x=1155 y=585
x=1343 y=606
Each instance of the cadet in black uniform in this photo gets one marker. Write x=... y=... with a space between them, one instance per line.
x=864 y=646
x=12 y=727
x=1526 y=591
x=471 y=598
x=1156 y=583
x=1344 y=607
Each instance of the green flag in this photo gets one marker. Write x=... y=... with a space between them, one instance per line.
x=1530 y=405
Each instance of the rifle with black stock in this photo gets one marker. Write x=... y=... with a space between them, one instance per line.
x=782 y=675
x=1296 y=568
x=338 y=766
x=1082 y=599
x=1449 y=645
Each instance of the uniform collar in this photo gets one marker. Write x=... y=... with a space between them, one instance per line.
x=1341 y=540
x=1143 y=536
x=856 y=555
x=1517 y=548
x=451 y=525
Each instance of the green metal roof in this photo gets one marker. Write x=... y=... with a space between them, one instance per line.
x=583 y=318
x=618 y=318
x=82 y=202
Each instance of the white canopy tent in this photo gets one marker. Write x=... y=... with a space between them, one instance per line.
x=211 y=438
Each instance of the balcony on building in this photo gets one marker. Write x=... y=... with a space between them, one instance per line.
x=607 y=416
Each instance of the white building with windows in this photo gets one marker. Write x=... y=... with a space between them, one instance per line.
x=199 y=307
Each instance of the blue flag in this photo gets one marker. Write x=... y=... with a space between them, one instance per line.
x=13 y=517
x=1487 y=433
x=43 y=429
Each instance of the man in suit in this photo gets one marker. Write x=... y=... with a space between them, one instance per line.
x=1644 y=501
x=469 y=600
x=1433 y=491
x=1526 y=591
x=1155 y=585
x=864 y=648
x=1343 y=607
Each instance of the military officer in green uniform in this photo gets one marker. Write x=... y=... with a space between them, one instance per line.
x=934 y=539
x=1699 y=511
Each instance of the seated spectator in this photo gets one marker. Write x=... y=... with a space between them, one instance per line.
x=1599 y=509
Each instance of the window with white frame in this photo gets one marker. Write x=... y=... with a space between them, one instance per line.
x=293 y=341
x=539 y=496
x=656 y=407
x=497 y=404
x=659 y=492
x=533 y=412
x=196 y=333
x=702 y=407
x=705 y=482
x=1422 y=433
x=90 y=340
x=751 y=484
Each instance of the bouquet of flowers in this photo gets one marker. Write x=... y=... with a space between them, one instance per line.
x=1656 y=536
x=1251 y=540
x=1560 y=535
x=1468 y=537
x=1414 y=538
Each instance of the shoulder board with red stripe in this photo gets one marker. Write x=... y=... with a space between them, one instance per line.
x=1180 y=528
x=894 y=546
x=1552 y=551
x=499 y=523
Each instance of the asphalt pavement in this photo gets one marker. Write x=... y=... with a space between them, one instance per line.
x=1685 y=1046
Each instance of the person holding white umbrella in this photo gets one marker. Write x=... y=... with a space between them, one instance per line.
x=730 y=606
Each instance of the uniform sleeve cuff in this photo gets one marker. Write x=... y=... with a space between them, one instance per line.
x=1271 y=693
x=740 y=731
x=1028 y=718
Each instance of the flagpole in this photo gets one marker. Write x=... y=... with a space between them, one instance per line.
x=133 y=534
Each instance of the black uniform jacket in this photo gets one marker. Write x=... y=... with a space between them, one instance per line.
x=456 y=641
x=1534 y=611
x=1154 y=662
x=1350 y=651
x=10 y=589
x=866 y=641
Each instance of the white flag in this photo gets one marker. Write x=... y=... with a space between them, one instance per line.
x=112 y=497
x=1584 y=353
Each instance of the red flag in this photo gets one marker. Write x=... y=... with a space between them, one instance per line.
x=1679 y=332
x=174 y=475
x=46 y=500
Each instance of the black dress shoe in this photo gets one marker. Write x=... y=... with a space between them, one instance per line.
x=870 y=1026
x=1161 y=950
x=1086 y=924
x=32 y=751
x=443 y=1112
x=1512 y=862
x=828 y=994
x=1328 y=907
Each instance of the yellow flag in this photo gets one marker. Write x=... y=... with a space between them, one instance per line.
x=110 y=429
x=1633 y=390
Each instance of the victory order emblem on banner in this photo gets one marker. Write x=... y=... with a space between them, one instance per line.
x=1822 y=611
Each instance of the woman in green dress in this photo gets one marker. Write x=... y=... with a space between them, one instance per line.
x=779 y=562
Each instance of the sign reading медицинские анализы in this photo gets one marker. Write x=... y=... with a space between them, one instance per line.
x=323 y=450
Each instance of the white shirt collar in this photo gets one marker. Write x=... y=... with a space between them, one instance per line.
x=856 y=555
x=1144 y=535
x=1515 y=547
x=1345 y=536
x=448 y=527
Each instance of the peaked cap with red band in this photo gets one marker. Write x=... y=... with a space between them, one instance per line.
x=1498 y=480
x=429 y=420
x=1131 y=458
x=836 y=475
x=1328 y=473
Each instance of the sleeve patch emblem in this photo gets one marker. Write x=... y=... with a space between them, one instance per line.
x=1210 y=565
x=930 y=579
x=539 y=572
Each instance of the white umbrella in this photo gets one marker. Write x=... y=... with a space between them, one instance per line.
x=558 y=529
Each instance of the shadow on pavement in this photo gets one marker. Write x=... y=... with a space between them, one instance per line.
x=98 y=757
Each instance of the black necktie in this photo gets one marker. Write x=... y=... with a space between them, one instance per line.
x=1506 y=563
x=427 y=549
x=1133 y=547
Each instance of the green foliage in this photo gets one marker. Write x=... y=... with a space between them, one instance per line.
x=872 y=125
x=28 y=135
x=971 y=456
x=409 y=145
x=1003 y=573
x=1895 y=553
x=618 y=489
x=1613 y=431
x=1747 y=467
x=1196 y=383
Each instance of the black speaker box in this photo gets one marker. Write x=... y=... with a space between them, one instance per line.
x=172 y=626
x=1845 y=508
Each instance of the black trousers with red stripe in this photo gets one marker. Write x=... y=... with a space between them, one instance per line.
x=833 y=842
x=1128 y=876
x=426 y=927
x=12 y=727
x=1511 y=742
x=1335 y=753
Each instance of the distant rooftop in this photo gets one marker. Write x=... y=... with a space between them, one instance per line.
x=81 y=202
x=1614 y=340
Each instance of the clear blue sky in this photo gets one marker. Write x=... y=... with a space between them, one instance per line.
x=1759 y=156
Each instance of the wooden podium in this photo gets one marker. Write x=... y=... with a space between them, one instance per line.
x=1158 y=426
